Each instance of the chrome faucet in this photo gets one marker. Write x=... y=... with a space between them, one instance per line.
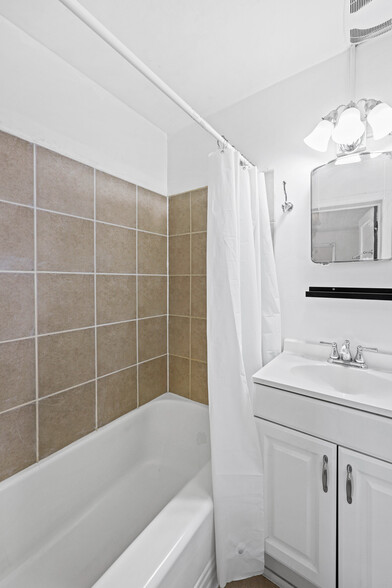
x=345 y=357
x=345 y=351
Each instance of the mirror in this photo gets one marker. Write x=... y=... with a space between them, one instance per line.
x=351 y=209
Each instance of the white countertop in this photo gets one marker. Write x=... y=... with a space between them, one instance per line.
x=303 y=368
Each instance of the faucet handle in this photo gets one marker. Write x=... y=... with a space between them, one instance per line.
x=334 y=351
x=359 y=355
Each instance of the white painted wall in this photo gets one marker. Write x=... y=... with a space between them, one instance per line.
x=269 y=128
x=45 y=100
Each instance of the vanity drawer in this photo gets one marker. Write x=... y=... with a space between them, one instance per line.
x=355 y=429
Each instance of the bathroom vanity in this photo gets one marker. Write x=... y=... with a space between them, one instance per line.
x=326 y=436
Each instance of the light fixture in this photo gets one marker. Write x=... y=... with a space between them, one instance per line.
x=319 y=138
x=354 y=158
x=347 y=126
x=380 y=119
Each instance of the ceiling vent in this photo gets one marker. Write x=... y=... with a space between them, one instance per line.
x=369 y=19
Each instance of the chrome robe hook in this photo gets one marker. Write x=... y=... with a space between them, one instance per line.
x=286 y=206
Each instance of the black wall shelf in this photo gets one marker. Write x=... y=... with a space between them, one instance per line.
x=353 y=293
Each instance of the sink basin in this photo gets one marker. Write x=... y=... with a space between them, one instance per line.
x=303 y=368
x=350 y=381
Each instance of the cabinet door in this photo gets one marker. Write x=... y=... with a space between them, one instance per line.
x=365 y=524
x=300 y=502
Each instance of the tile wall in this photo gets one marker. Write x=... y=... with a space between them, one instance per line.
x=187 y=295
x=83 y=301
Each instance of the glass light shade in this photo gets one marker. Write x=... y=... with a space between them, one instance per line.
x=349 y=128
x=320 y=136
x=380 y=119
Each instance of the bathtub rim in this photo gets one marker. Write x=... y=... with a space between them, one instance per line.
x=87 y=439
x=196 y=523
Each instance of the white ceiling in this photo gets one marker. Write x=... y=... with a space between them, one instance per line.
x=214 y=53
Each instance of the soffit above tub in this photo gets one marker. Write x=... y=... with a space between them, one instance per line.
x=213 y=53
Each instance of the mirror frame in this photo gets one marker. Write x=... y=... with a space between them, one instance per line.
x=311 y=210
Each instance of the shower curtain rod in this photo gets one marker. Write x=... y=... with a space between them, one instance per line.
x=95 y=25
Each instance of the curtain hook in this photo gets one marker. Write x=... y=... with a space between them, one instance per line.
x=222 y=145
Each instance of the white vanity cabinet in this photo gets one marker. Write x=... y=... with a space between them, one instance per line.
x=341 y=538
x=314 y=506
x=365 y=524
x=300 y=502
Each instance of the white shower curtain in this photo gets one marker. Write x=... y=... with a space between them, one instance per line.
x=243 y=333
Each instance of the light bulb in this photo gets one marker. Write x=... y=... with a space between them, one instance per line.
x=320 y=136
x=380 y=119
x=349 y=128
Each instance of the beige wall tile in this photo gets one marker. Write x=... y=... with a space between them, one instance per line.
x=116 y=249
x=16 y=306
x=116 y=298
x=65 y=302
x=17 y=373
x=152 y=211
x=64 y=185
x=152 y=379
x=152 y=334
x=117 y=395
x=152 y=296
x=16 y=169
x=65 y=417
x=116 y=347
x=179 y=255
x=198 y=296
x=17 y=440
x=16 y=237
x=152 y=254
x=199 y=387
x=179 y=214
x=199 y=209
x=65 y=360
x=116 y=200
x=179 y=376
x=179 y=336
x=179 y=295
x=199 y=339
x=64 y=243
x=199 y=253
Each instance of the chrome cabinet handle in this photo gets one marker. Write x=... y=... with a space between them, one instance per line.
x=349 y=484
x=325 y=473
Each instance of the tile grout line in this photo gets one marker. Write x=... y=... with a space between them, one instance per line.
x=56 y=272
x=36 y=304
x=190 y=293
x=85 y=218
x=81 y=384
x=183 y=357
x=95 y=301
x=143 y=318
x=167 y=295
x=137 y=296
x=185 y=234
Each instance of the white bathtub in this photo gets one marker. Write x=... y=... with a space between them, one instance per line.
x=127 y=506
